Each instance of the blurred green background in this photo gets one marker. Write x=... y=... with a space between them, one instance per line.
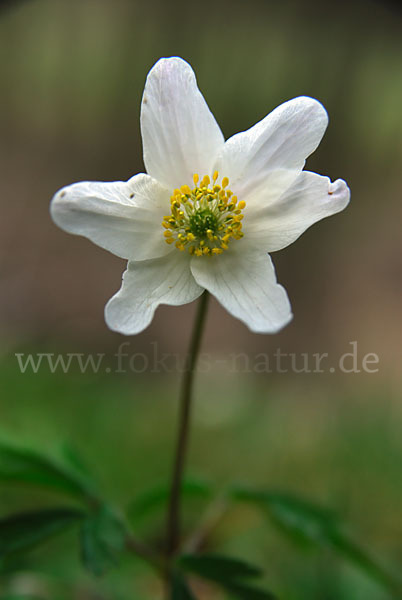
x=71 y=79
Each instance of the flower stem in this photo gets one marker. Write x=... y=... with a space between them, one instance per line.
x=173 y=525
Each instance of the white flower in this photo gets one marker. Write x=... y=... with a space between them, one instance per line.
x=208 y=212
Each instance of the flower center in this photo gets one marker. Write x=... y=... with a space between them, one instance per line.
x=204 y=220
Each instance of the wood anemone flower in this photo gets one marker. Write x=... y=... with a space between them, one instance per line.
x=208 y=212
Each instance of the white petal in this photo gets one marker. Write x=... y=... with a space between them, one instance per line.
x=270 y=155
x=122 y=217
x=146 y=284
x=245 y=284
x=180 y=135
x=312 y=197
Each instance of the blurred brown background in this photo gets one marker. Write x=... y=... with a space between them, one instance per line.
x=72 y=75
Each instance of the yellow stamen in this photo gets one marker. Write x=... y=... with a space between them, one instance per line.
x=204 y=221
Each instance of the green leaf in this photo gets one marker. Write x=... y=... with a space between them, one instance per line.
x=352 y=552
x=102 y=540
x=217 y=567
x=181 y=590
x=246 y=592
x=158 y=497
x=21 y=531
x=227 y=572
x=74 y=458
x=306 y=522
x=21 y=465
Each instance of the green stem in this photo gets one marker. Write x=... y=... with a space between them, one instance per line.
x=173 y=524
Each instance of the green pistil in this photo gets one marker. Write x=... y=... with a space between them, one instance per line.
x=202 y=221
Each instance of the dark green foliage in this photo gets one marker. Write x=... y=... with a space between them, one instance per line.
x=180 y=589
x=22 y=465
x=309 y=523
x=230 y=573
x=102 y=540
x=22 y=531
x=217 y=567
